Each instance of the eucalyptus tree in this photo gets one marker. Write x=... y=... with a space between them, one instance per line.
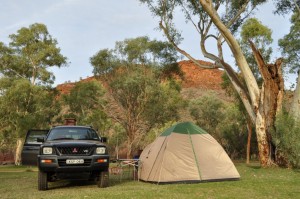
x=218 y=21
x=138 y=99
x=30 y=53
x=26 y=80
x=287 y=125
x=208 y=112
x=261 y=36
x=86 y=102
x=290 y=48
x=287 y=6
x=24 y=106
x=252 y=29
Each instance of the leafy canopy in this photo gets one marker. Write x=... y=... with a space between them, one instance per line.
x=30 y=53
x=286 y=6
x=140 y=97
x=86 y=102
x=26 y=99
x=138 y=51
x=261 y=36
x=290 y=45
x=24 y=106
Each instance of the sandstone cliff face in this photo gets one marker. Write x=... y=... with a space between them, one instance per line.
x=196 y=77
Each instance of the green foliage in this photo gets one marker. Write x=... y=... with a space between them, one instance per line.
x=131 y=88
x=154 y=133
x=261 y=36
x=86 y=102
x=143 y=95
x=24 y=106
x=26 y=99
x=234 y=133
x=143 y=102
x=164 y=103
x=290 y=45
x=116 y=137
x=226 y=123
x=193 y=12
x=208 y=112
x=104 y=62
x=286 y=138
x=7 y=141
x=138 y=51
x=140 y=95
x=253 y=29
x=234 y=7
x=286 y=6
x=142 y=50
x=230 y=91
x=30 y=53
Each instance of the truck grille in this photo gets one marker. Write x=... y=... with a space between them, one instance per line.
x=76 y=150
x=63 y=163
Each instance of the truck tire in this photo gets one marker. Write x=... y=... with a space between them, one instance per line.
x=103 y=179
x=42 y=181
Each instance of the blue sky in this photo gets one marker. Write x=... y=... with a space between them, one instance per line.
x=83 y=27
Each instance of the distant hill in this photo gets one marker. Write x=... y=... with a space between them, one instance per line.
x=197 y=81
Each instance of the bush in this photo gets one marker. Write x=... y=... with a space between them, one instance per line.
x=286 y=139
x=208 y=112
x=234 y=133
x=225 y=122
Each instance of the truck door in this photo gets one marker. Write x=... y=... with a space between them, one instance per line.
x=31 y=146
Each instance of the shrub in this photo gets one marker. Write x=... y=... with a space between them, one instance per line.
x=286 y=139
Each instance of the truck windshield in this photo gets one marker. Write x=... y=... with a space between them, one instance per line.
x=67 y=133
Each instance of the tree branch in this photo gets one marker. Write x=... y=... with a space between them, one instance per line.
x=190 y=18
x=236 y=50
x=241 y=90
x=233 y=20
x=182 y=51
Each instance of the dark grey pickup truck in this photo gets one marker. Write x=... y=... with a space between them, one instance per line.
x=67 y=152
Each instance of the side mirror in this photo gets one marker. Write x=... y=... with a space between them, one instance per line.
x=40 y=139
x=104 y=139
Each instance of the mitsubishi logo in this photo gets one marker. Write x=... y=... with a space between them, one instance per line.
x=74 y=150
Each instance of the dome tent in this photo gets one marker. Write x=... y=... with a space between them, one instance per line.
x=185 y=153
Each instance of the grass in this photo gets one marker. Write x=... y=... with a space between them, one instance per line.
x=255 y=182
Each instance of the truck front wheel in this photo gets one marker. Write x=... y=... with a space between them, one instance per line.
x=42 y=181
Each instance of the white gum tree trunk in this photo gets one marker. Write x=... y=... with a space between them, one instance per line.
x=266 y=102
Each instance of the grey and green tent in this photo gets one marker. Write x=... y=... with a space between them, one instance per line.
x=185 y=153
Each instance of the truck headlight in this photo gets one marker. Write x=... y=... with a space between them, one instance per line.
x=100 y=150
x=47 y=150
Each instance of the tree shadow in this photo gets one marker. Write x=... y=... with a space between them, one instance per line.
x=70 y=183
x=115 y=179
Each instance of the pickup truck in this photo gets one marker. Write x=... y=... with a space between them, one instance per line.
x=66 y=152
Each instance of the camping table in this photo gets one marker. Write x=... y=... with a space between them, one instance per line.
x=130 y=163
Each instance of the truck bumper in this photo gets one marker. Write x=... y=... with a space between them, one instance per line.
x=53 y=163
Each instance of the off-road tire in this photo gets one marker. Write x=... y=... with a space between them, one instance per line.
x=42 y=181
x=103 y=179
